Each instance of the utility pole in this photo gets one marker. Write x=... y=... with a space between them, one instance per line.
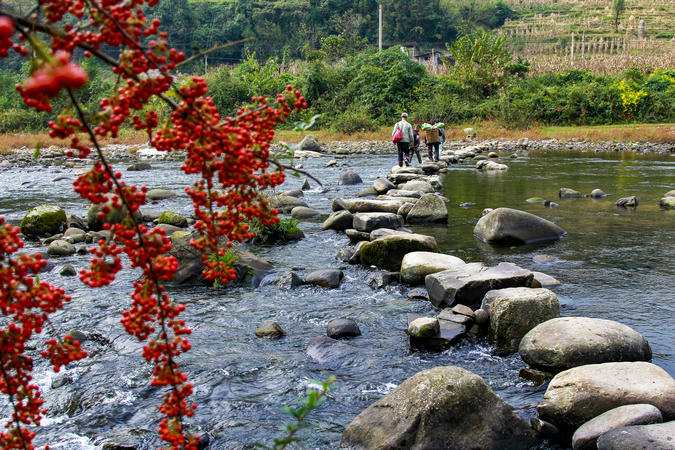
x=380 y=26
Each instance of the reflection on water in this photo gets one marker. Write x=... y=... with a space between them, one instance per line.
x=614 y=263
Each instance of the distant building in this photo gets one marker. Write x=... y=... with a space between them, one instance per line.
x=434 y=58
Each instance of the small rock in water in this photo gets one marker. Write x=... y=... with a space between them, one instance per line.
x=536 y=376
x=270 y=329
x=305 y=185
x=418 y=294
x=68 y=271
x=424 y=327
x=340 y=328
x=544 y=259
x=627 y=202
x=331 y=163
x=466 y=204
x=597 y=193
x=550 y=204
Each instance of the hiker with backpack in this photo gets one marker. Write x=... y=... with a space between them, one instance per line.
x=402 y=136
x=432 y=138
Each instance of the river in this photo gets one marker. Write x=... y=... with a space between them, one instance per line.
x=614 y=263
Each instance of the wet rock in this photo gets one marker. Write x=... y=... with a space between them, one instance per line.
x=367 y=222
x=566 y=342
x=449 y=315
x=365 y=205
x=331 y=163
x=544 y=259
x=75 y=221
x=169 y=229
x=382 y=185
x=543 y=428
x=338 y=204
x=51 y=239
x=506 y=225
x=344 y=254
x=270 y=329
x=340 y=220
x=150 y=214
x=340 y=328
x=286 y=280
x=667 y=203
x=536 y=376
x=417 y=265
x=350 y=178
x=418 y=185
x=382 y=232
x=387 y=252
x=642 y=414
x=139 y=166
x=323 y=349
x=486 y=211
x=418 y=294
x=464 y=310
x=404 y=194
x=302 y=212
x=116 y=215
x=60 y=248
x=550 y=204
x=378 y=280
x=489 y=165
x=68 y=271
x=43 y=220
x=429 y=208
x=154 y=195
x=468 y=284
x=544 y=280
x=515 y=311
x=405 y=209
x=309 y=143
x=305 y=185
x=285 y=203
x=597 y=193
x=367 y=192
x=357 y=236
x=645 y=437
x=173 y=218
x=481 y=317
x=670 y=193
x=443 y=407
x=449 y=334
x=424 y=327
x=327 y=278
x=569 y=193
x=74 y=235
x=297 y=193
x=627 y=202
x=577 y=395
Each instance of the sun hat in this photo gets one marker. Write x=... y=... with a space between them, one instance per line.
x=404 y=114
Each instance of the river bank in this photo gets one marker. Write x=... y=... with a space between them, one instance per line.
x=26 y=156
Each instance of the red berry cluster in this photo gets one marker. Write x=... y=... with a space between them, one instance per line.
x=26 y=305
x=231 y=155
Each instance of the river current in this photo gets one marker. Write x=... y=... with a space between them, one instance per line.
x=614 y=263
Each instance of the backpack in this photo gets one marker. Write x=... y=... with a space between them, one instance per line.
x=432 y=136
x=398 y=135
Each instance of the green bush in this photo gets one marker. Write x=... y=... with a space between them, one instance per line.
x=354 y=120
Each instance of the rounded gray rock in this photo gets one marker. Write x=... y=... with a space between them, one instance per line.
x=339 y=328
x=270 y=329
x=60 y=248
x=641 y=414
x=566 y=342
x=506 y=225
x=350 y=178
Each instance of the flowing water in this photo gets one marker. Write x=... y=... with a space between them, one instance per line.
x=614 y=263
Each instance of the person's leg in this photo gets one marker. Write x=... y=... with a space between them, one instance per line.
x=429 y=152
x=406 y=152
x=419 y=157
x=437 y=152
x=399 y=146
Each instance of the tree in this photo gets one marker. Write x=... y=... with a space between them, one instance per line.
x=480 y=59
x=231 y=154
x=618 y=8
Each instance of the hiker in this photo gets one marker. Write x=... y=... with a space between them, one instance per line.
x=416 y=143
x=441 y=136
x=433 y=141
x=407 y=137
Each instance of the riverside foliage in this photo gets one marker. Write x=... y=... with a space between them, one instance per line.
x=231 y=155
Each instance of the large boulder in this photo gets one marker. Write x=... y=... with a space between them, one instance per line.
x=429 y=208
x=388 y=251
x=506 y=225
x=515 y=311
x=339 y=220
x=567 y=342
x=350 y=178
x=642 y=414
x=468 y=284
x=577 y=395
x=660 y=436
x=43 y=220
x=417 y=265
x=309 y=143
x=443 y=407
x=371 y=205
x=368 y=222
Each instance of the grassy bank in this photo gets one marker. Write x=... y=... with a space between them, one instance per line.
x=659 y=133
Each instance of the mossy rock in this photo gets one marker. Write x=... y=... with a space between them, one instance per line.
x=173 y=218
x=388 y=252
x=116 y=215
x=44 y=220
